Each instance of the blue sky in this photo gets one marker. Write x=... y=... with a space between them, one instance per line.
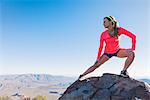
x=61 y=37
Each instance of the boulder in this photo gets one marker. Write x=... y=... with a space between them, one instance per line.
x=107 y=87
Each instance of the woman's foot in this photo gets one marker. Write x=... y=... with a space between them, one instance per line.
x=124 y=73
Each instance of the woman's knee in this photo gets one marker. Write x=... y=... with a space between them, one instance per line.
x=131 y=54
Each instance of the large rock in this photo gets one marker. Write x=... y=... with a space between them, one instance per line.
x=107 y=87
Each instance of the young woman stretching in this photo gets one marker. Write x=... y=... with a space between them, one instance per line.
x=110 y=37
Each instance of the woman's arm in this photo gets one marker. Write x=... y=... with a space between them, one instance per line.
x=92 y=68
x=100 y=47
x=131 y=35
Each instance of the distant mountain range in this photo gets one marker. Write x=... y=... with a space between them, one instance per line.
x=145 y=80
x=38 y=79
x=27 y=84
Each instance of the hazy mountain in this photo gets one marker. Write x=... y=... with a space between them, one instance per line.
x=145 y=80
x=27 y=84
x=37 y=78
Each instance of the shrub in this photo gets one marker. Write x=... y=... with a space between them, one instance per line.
x=5 y=98
x=40 y=98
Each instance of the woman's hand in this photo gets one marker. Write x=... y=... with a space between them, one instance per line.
x=80 y=76
x=130 y=49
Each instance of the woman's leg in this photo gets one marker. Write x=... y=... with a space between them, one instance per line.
x=103 y=59
x=126 y=53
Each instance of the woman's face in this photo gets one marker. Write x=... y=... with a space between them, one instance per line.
x=106 y=23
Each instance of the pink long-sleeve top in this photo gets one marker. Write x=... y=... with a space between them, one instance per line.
x=112 y=43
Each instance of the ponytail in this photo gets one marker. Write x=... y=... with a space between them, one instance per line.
x=115 y=29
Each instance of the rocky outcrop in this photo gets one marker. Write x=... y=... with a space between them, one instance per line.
x=107 y=87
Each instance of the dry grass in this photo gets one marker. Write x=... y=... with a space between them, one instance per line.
x=39 y=97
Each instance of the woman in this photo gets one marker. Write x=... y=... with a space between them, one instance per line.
x=110 y=37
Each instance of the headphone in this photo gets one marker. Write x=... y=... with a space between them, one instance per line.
x=114 y=21
x=111 y=18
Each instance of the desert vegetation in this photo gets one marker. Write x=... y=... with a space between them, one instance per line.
x=5 y=98
x=39 y=97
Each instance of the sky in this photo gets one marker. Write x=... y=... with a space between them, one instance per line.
x=61 y=37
